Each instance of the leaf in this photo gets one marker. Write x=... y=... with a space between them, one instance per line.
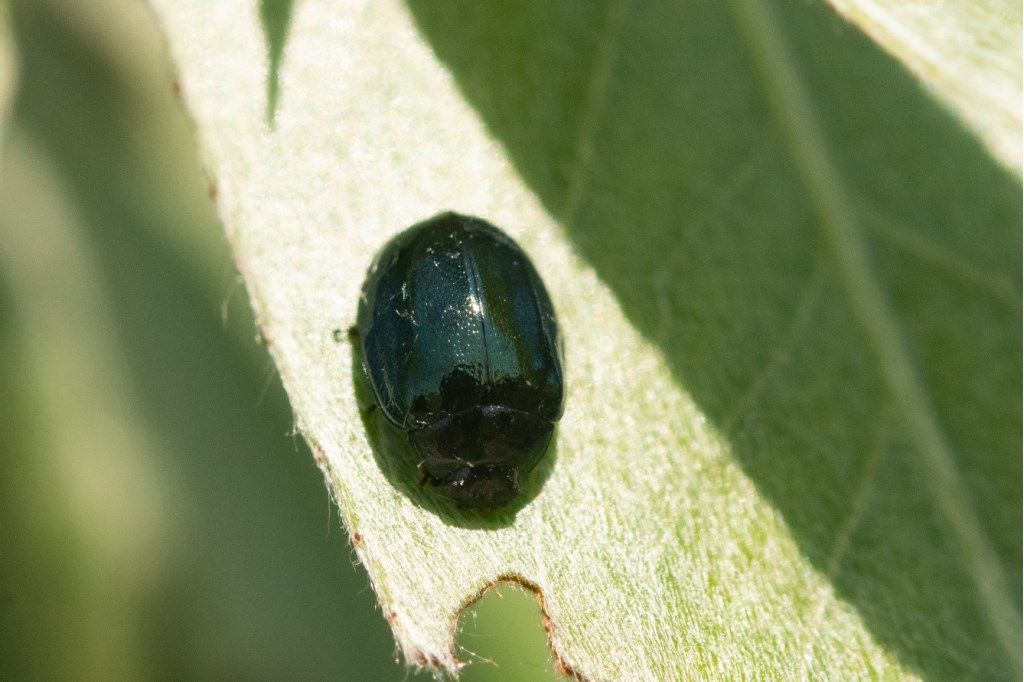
x=789 y=286
x=965 y=51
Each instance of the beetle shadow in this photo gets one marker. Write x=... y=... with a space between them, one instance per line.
x=397 y=461
x=648 y=133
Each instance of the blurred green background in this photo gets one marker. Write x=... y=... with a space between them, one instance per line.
x=158 y=516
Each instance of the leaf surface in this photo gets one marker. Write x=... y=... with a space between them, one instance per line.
x=789 y=286
x=964 y=51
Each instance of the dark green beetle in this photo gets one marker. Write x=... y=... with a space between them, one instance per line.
x=462 y=350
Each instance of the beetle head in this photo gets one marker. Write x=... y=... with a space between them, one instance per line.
x=475 y=457
x=481 y=487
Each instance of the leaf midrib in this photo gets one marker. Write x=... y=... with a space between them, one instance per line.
x=786 y=97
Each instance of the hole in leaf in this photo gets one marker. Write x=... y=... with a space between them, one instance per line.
x=501 y=638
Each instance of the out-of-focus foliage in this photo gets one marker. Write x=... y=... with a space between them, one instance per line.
x=157 y=519
x=7 y=67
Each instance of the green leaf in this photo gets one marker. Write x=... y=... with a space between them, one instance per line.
x=964 y=51
x=789 y=285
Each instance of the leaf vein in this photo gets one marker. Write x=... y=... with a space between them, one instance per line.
x=861 y=497
x=911 y=241
x=808 y=301
x=848 y=526
x=593 y=108
x=731 y=185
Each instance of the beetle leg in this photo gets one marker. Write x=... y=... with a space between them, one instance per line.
x=353 y=332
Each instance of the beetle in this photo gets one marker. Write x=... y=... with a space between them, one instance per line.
x=462 y=349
